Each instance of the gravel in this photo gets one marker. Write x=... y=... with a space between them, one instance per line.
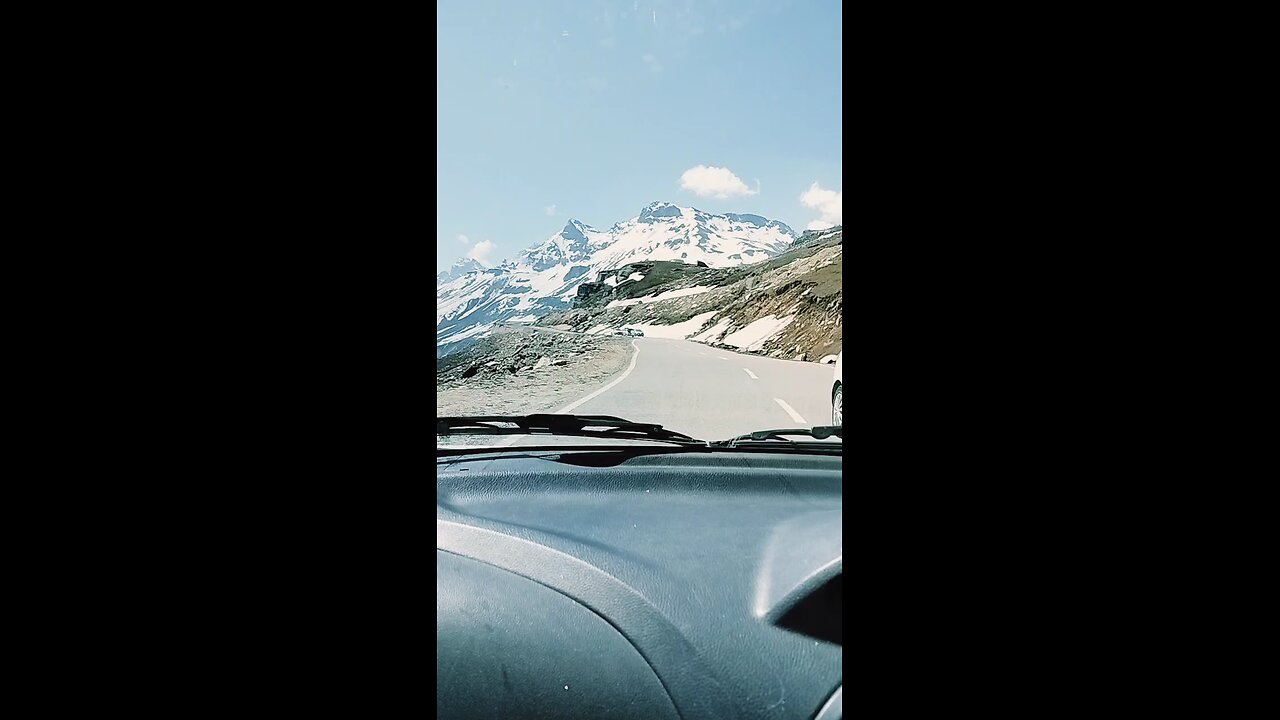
x=530 y=370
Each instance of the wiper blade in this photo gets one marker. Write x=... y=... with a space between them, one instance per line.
x=614 y=428
x=818 y=432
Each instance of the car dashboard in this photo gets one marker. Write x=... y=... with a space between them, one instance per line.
x=619 y=584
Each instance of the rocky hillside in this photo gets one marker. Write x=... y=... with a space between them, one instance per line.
x=787 y=306
x=546 y=278
x=634 y=280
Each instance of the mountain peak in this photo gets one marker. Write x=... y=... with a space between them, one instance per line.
x=459 y=268
x=574 y=230
x=656 y=210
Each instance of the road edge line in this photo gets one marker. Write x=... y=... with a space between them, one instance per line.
x=599 y=392
x=516 y=438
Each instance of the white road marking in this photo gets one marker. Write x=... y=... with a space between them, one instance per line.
x=753 y=375
x=791 y=411
x=721 y=357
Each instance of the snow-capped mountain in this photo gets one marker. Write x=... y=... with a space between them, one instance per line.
x=545 y=278
x=459 y=268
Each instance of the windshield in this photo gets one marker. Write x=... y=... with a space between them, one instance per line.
x=639 y=215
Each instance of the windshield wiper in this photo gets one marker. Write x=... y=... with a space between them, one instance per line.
x=818 y=432
x=614 y=428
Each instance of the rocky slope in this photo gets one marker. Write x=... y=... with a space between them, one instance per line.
x=530 y=370
x=546 y=278
x=788 y=306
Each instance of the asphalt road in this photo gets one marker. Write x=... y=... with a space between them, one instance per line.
x=713 y=394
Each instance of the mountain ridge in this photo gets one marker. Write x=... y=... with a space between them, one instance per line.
x=460 y=267
x=545 y=277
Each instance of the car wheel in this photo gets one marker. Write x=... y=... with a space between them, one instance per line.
x=837 y=406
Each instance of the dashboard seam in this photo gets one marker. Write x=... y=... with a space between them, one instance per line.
x=677 y=698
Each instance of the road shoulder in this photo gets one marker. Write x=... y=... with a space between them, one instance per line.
x=530 y=372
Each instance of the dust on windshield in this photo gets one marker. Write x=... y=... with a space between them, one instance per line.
x=639 y=213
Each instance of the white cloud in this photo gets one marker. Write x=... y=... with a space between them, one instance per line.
x=480 y=253
x=550 y=209
x=464 y=239
x=828 y=203
x=714 y=182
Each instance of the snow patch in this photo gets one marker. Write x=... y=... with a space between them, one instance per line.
x=668 y=295
x=597 y=330
x=756 y=334
x=711 y=333
x=469 y=332
x=635 y=276
x=678 y=331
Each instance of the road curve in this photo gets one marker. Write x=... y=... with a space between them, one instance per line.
x=714 y=394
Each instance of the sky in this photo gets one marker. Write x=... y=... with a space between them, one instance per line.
x=591 y=109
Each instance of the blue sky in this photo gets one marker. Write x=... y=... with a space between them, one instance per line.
x=591 y=109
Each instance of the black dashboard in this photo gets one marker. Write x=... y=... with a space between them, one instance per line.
x=601 y=584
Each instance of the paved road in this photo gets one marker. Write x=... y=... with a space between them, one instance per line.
x=714 y=394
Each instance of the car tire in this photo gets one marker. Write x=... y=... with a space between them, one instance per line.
x=837 y=406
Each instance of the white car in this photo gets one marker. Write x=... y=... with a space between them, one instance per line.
x=837 y=394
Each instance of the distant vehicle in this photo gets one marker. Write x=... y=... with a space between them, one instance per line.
x=636 y=332
x=629 y=332
x=621 y=332
x=837 y=394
